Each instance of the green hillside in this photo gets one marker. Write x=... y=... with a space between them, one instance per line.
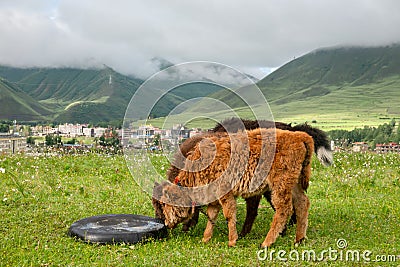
x=74 y=95
x=180 y=94
x=333 y=66
x=64 y=84
x=105 y=101
x=86 y=95
x=17 y=105
x=336 y=87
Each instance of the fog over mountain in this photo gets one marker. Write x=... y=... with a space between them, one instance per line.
x=252 y=36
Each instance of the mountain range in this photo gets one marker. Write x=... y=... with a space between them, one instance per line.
x=340 y=87
x=64 y=94
x=358 y=80
x=355 y=83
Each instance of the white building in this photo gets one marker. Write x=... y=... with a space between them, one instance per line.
x=71 y=130
x=98 y=132
x=89 y=132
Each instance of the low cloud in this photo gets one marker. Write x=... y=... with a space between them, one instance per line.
x=253 y=36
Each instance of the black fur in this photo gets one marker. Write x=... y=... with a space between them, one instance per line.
x=320 y=138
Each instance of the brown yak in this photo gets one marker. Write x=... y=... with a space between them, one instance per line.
x=222 y=163
x=232 y=125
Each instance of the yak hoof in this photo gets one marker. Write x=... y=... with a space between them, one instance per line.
x=298 y=242
x=232 y=243
x=206 y=239
x=264 y=245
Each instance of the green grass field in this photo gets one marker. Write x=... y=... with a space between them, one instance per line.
x=331 y=120
x=356 y=199
x=331 y=106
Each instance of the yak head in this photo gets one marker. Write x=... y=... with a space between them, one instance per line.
x=172 y=204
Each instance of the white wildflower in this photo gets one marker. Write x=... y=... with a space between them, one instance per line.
x=2 y=170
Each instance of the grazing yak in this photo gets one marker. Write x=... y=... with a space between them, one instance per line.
x=246 y=164
x=232 y=125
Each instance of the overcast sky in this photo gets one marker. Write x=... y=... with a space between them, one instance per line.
x=252 y=36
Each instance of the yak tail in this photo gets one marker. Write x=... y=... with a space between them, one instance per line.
x=321 y=143
x=325 y=156
x=305 y=174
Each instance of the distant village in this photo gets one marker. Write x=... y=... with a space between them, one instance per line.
x=144 y=137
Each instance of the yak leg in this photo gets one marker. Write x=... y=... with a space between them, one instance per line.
x=292 y=220
x=193 y=221
x=228 y=203
x=301 y=206
x=212 y=213
x=267 y=195
x=282 y=201
x=251 y=214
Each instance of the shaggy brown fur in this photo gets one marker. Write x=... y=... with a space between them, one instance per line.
x=321 y=143
x=232 y=125
x=286 y=180
x=173 y=171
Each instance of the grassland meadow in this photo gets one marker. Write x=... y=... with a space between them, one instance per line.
x=354 y=216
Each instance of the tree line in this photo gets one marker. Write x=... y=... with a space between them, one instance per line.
x=108 y=139
x=385 y=133
x=5 y=125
